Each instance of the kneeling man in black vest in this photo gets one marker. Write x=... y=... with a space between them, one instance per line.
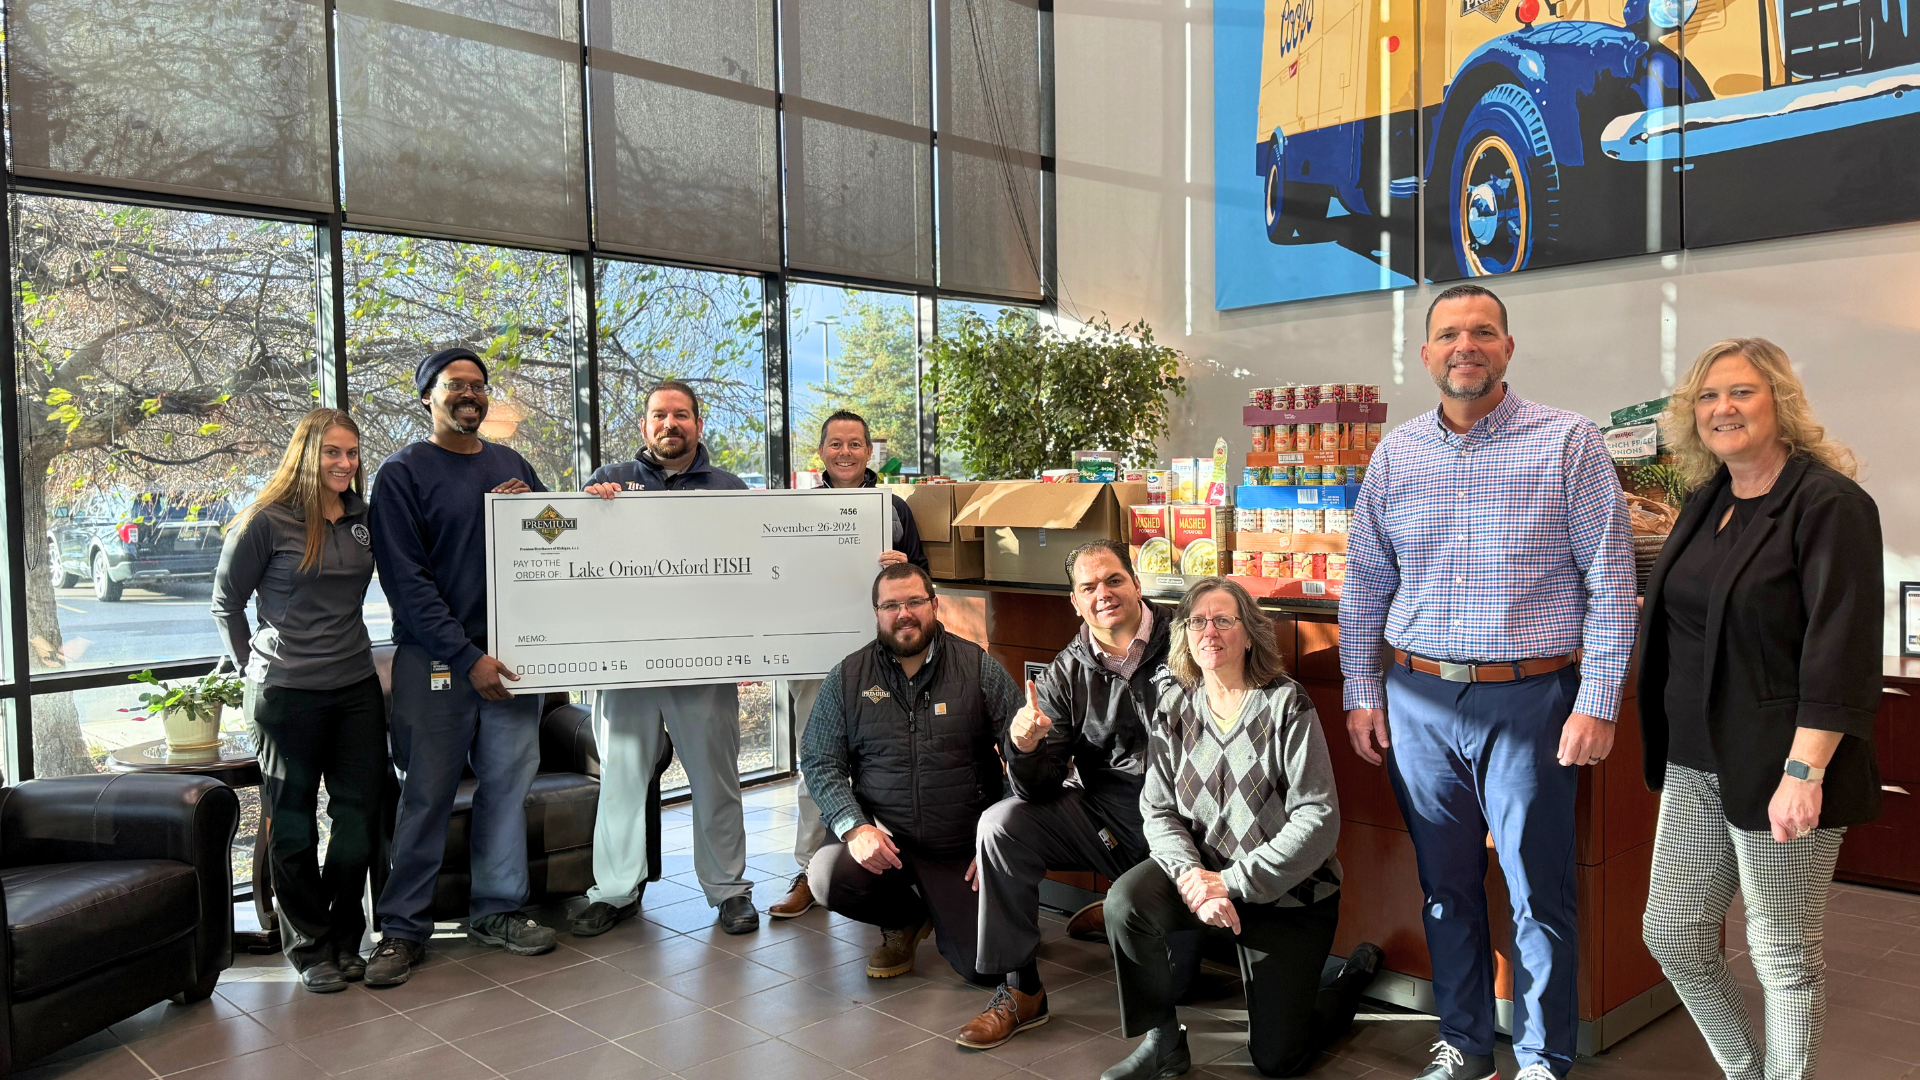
x=899 y=755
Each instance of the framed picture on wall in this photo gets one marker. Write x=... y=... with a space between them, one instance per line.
x=1910 y=618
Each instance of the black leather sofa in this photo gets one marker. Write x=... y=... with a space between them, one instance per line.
x=116 y=892
x=561 y=809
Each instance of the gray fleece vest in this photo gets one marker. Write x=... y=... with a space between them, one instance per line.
x=925 y=768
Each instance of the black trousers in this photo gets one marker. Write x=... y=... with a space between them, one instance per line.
x=922 y=888
x=1019 y=841
x=1290 y=1017
x=303 y=737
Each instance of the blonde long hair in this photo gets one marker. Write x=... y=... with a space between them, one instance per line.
x=1798 y=429
x=297 y=482
x=1264 y=662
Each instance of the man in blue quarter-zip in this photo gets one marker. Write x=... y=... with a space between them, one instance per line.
x=632 y=726
x=899 y=755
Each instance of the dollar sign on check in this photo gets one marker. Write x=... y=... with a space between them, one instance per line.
x=776 y=573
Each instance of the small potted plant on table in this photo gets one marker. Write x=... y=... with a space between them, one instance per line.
x=191 y=711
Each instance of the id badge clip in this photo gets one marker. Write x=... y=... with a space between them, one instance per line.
x=439 y=676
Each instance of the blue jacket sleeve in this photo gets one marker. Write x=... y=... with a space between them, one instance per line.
x=400 y=553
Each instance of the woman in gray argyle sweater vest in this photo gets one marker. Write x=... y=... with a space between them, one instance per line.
x=1241 y=819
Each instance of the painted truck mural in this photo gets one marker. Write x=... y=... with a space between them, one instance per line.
x=1552 y=132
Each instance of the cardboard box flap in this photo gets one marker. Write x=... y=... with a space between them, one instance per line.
x=934 y=506
x=1027 y=504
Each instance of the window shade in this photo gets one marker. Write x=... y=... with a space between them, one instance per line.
x=463 y=117
x=214 y=98
x=685 y=157
x=990 y=146
x=858 y=138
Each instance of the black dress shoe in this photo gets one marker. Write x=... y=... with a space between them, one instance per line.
x=353 y=966
x=600 y=917
x=323 y=977
x=737 y=915
x=1156 y=1058
x=1363 y=963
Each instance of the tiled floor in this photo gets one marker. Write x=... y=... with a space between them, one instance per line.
x=670 y=995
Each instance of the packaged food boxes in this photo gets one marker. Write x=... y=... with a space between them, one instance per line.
x=1030 y=527
x=1635 y=444
x=1149 y=541
x=1336 y=568
x=1275 y=564
x=1213 y=491
x=1199 y=536
x=1633 y=414
x=1262 y=438
x=1246 y=564
x=1308 y=521
x=1184 y=478
x=1097 y=466
x=1060 y=476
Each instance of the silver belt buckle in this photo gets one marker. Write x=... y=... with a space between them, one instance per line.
x=1455 y=672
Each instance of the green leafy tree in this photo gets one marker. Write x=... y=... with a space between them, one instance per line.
x=876 y=374
x=1015 y=398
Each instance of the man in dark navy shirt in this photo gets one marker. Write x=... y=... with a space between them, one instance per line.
x=450 y=707
x=632 y=726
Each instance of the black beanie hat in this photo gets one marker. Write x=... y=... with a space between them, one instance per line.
x=431 y=367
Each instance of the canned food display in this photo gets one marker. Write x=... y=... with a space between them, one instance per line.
x=1246 y=563
x=1374 y=433
x=1263 y=438
x=1274 y=564
x=1247 y=520
x=1336 y=521
x=1284 y=398
x=1260 y=398
x=1304 y=436
x=1336 y=568
x=1308 y=521
x=1253 y=476
x=1333 y=392
x=1306 y=397
x=1157 y=487
x=1301 y=565
x=1276 y=521
x=1327 y=437
x=1368 y=392
x=1312 y=476
x=1283 y=475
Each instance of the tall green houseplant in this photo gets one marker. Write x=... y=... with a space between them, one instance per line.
x=1015 y=398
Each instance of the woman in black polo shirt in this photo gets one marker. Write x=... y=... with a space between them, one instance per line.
x=313 y=700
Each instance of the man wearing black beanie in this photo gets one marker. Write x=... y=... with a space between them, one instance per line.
x=449 y=704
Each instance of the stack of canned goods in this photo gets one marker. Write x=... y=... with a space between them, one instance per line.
x=1291 y=520
x=1288 y=398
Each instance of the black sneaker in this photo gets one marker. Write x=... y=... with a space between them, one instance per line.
x=600 y=917
x=323 y=977
x=393 y=960
x=1451 y=1064
x=1153 y=1059
x=737 y=915
x=353 y=966
x=513 y=932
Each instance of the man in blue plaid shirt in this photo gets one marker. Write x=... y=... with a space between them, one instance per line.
x=1490 y=549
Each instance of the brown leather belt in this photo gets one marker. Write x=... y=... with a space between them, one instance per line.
x=1502 y=671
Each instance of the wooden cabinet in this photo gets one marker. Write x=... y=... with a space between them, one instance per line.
x=1886 y=851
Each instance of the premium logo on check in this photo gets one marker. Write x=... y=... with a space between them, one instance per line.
x=549 y=524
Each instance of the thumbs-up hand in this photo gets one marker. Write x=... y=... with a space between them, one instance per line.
x=1030 y=725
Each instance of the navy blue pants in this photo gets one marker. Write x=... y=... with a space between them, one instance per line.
x=1471 y=759
x=436 y=733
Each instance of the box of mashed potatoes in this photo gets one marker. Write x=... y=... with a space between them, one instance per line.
x=1188 y=540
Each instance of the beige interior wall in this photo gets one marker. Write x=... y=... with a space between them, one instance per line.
x=1845 y=306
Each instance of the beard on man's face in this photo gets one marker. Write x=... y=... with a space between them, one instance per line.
x=669 y=443
x=466 y=423
x=908 y=637
x=1470 y=391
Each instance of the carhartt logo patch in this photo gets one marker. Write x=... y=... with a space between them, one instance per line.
x=940 y=709
x=875 y=695
x=548 y=524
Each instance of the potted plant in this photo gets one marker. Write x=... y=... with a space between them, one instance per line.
x=191 y=712
x=1015 y=398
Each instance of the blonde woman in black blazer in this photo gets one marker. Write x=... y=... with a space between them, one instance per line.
x=1759 y=677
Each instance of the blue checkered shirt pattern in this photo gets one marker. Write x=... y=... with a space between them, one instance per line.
x=1509 y=542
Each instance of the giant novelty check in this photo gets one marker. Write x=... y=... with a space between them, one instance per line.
x=659 y=588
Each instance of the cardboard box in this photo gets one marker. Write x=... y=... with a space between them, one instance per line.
x=954 y=552
x=1347 y=412
x=1029 y=527
x=1199 y=535
x=1338 y=497
x=1311 y=457
x=1325 y=543
x=1149 y=541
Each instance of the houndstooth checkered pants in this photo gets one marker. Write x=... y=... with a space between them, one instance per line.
x=1699 y=860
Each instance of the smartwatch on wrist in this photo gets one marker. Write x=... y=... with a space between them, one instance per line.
x=1800 y=770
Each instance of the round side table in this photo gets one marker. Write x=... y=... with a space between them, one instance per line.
x=234 y=765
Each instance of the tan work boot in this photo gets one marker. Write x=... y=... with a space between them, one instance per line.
x=1008 y=1014
x=895 y=954
x=799 y=899
x=1089 y=923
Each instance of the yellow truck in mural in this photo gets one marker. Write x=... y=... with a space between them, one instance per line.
x=1552 y=131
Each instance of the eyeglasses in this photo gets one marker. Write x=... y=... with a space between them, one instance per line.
x=895 y=607
x=1222 y=623
x=461 y=386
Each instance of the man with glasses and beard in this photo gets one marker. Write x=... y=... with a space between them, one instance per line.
x=632 y=726
x=899 y=755
x=449 y=705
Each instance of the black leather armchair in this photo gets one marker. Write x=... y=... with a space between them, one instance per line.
x=116 y=892
x=561 y=809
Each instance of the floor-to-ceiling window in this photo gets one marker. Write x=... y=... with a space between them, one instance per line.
x=854 y=349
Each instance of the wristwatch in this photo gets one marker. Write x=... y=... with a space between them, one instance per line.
x=1800 y=770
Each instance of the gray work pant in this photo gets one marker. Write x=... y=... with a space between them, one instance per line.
x=1018 y=842
x=631 y=726
x=811 y=834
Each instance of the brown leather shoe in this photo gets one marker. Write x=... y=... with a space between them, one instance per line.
x=1089 y=923
x=1008 y=1014
x=799 y=899
x=895 y=953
